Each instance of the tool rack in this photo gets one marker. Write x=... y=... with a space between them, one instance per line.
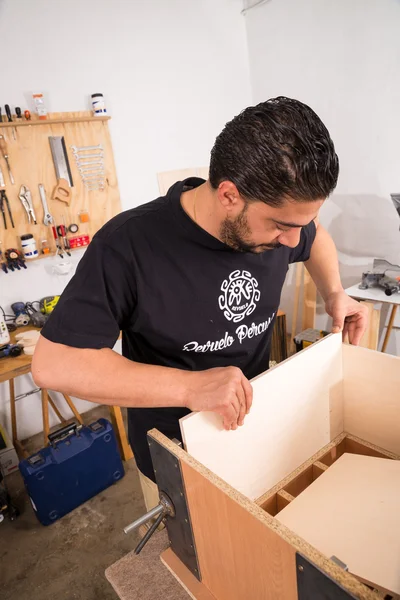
x=31 y=164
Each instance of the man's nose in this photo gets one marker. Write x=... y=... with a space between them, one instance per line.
x=291 y=237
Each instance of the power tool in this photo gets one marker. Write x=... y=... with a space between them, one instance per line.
x=48 y=304
x=11 y=350
x=21 y=315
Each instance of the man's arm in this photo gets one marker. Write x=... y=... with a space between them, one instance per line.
x=105 y=377
x=349 y=316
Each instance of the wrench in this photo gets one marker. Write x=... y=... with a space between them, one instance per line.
x=89 y=162
x=76 y=149
x=81 y=157
x=48 y=219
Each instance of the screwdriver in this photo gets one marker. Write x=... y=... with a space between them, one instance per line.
x=9 y=117
x=18 y=113
x=62 y=233
x=4 y=151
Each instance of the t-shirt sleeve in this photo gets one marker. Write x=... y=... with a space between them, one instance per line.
x=302 y=251
x=98 y=301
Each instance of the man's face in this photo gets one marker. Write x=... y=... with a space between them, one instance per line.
x=259 y=227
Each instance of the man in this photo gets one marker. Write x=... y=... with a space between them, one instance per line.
x=193 y=280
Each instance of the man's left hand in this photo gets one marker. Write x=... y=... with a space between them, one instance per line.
x=349 y=316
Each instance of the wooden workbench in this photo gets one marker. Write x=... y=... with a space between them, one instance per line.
x=10 y=368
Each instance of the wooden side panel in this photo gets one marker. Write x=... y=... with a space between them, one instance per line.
x=239 y=556
x=371 y=389
x=297 y=409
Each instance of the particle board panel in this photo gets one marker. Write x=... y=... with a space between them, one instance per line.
x=371 y=391
x=297 y=409
x=32 y=163
x=352 y=512
x=191 y=585
x=243 y=552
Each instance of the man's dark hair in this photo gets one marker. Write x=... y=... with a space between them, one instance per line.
x=278 y=149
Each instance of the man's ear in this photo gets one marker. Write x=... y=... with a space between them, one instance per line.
x=229 y=197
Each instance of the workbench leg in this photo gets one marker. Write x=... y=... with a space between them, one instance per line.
x=45 y=412
x=22 y=453
x=389 y=327
x=119 y=428
x=54 y=407
x=13 y=411
x=73 y=408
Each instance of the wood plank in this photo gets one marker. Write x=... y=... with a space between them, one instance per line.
x=297 y=409
x=352 y=511
x=370 y=338
x=193 y=586
x=51 y=121
x=168 y=178
x=309 y=302
x=120 y=432
x=371 y=388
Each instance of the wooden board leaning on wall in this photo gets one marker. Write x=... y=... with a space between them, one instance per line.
x=32 y=163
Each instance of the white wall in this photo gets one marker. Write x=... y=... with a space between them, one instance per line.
x=343 y=59
x=172 y=72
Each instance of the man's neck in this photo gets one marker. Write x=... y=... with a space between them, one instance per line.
x=202 y=207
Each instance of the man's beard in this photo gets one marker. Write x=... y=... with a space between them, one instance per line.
x=236 y=235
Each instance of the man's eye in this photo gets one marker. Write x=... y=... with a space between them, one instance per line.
x=281 y=228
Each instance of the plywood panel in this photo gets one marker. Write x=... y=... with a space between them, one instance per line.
x=31 y=163
x=297 y=409
x=168 y=178
x=371 y=390
x=352 y=511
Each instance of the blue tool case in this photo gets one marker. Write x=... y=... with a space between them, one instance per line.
x=80 y=462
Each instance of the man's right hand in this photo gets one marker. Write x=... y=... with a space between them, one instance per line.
x=224 y=390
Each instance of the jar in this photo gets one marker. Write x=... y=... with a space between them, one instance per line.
x=28 y=245
x=98 y=105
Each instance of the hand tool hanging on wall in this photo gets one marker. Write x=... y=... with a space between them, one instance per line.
x=47 y=218
x=9 y=117
x=18 y=113
x=4 y=151
x=62 y=190
x=2 y=182
x=26 y=199
x=62 y=234
x=4 y=202
x=59 y=249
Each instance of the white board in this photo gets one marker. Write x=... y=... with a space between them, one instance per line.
x=352 y=512
x=297 y=409
x=371 y=392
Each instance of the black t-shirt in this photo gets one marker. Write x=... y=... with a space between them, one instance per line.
x=181 y=298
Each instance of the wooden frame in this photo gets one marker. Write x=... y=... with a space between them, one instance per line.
x=243 y=550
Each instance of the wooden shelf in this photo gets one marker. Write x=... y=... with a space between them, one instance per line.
x=51 y=121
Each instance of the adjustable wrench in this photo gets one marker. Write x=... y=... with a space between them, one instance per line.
x=48 y=219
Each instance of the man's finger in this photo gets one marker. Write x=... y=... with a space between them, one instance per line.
x=229 y=417
x=248 y=392
x=338 y=322
x=242 y=403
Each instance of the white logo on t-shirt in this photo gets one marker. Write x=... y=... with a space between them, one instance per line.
x=239 y=295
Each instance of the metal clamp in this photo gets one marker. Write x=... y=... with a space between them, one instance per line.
x=164 y=509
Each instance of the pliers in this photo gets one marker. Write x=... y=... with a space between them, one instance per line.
x=3 y=201
x=26 y=199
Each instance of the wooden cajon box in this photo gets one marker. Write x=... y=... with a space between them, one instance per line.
x=227 y=543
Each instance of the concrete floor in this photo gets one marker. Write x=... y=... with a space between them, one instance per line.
x=67 y=559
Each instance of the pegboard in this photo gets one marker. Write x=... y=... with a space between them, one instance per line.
x=32 y=164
